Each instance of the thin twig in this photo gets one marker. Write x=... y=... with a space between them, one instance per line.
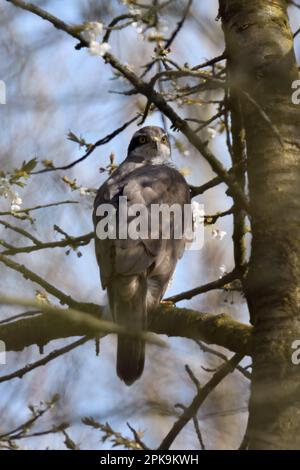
x=91 y=149
x=201 y=396
x=217 y=284
x=210 y=62
x=21 y=231
x=30 y=313
x=52 y=290
x=193 y=377
x=198 y=432
x=137 y=438
x=222 y=356
x=28 y=424
x=69 y=241
x=27 y=210
x=168 y=42
x=34 y=365
x=211 y=219
x=196 y=190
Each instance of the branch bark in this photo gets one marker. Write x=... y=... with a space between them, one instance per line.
x=171 y=321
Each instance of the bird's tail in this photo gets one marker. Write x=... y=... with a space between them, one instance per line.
x=130 y=311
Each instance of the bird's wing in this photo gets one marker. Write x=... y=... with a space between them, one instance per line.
x=147 y=185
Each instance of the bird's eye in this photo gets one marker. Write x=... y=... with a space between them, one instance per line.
x=142 y=140
x=164 y=139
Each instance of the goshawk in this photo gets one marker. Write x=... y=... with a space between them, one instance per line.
x=136 y=270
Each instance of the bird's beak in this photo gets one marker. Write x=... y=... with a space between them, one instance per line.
x=155 y=142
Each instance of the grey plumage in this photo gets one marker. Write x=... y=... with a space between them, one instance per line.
x=136 y=273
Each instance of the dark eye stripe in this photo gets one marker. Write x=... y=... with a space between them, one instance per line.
x=136 y=143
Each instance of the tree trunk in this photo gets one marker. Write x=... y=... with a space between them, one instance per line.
x=262 y=65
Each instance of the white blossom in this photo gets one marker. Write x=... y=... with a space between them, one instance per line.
x=138 y=25
x=198 y=213
x=17 y=200
x=7 y=192
x=218 y=234
x=211 y=132
x=99 y=49
x=91 y=31
x=5 y=189
x=222 y=270
x=132 y=7
x=15 y=207
x=83 y=191
x=134 y=11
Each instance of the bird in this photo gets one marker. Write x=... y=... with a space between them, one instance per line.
x=136 y=272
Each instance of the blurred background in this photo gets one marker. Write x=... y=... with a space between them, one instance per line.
x=52 y=90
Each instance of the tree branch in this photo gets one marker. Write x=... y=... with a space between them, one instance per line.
x=69 y=241
x=196 y=190
x=20 y=212
x=218 y=284
x=212 y=329
x=79 y=319
x=34 y=365
x=191 y=411
x=52 y=290
x=154 y=97
x=91 y=149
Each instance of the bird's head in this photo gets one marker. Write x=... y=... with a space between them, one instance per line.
x=151 y=143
